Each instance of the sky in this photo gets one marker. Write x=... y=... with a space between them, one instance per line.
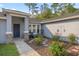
x=20 y=6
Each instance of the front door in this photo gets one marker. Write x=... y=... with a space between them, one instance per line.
x=16 y=30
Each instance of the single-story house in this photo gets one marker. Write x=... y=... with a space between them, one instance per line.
x=17 y=24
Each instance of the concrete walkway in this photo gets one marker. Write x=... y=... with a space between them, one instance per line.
x=24 y=49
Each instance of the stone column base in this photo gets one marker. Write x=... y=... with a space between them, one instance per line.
x=26 y=36
x=9 y=37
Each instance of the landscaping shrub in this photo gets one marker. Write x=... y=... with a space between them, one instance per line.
x=57 y=50
x=72 y=38
x=55 y=37
x=38 y=40
x=37 y=35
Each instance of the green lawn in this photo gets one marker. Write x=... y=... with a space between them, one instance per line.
x=8 y=50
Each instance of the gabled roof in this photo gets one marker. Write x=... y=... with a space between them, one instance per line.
x=4 y=11
x=14 y=11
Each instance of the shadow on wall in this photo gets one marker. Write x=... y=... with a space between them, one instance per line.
x=46 y=32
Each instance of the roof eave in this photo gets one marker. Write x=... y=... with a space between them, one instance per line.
x=14 y=11
x=61 y=19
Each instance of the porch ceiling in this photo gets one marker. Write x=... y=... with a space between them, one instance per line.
x=17 y=18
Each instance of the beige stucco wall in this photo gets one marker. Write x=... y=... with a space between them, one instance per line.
x=65 y=28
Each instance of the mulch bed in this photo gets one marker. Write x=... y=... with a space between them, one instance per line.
x=44 y=51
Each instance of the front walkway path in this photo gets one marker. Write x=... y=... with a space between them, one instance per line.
x=24 y=49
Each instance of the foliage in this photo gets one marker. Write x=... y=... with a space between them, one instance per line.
x=45 y=14
x=69 y=8
x=32 y=7
x=54 y=6
x=29 y=6
x=56 y=9
x=45 y=6
x=57 y=49
x=38 y=35
x=72 y=38
x=55 y=37
x=40 y=17
x=38 y=39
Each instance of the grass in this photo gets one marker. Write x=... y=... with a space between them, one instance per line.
x=8 y=50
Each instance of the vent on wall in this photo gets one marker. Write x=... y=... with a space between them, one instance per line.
x=57 y=30
x=64 y=30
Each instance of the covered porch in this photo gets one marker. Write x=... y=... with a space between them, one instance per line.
x=17 y=26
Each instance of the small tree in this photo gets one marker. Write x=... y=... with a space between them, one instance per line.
x=72 y=38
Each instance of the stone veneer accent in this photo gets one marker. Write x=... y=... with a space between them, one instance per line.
x=9 y=36
x=26 y=36
x=9 y=33
x=26 y=30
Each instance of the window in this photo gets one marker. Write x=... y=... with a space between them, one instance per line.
x=29 y=30
x=29 y=25
x=38 y=26
x=34 y=30
x=38 y=29
x=33 y=26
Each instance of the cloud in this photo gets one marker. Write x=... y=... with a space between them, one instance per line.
x=1 y=5
x=13 y=8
